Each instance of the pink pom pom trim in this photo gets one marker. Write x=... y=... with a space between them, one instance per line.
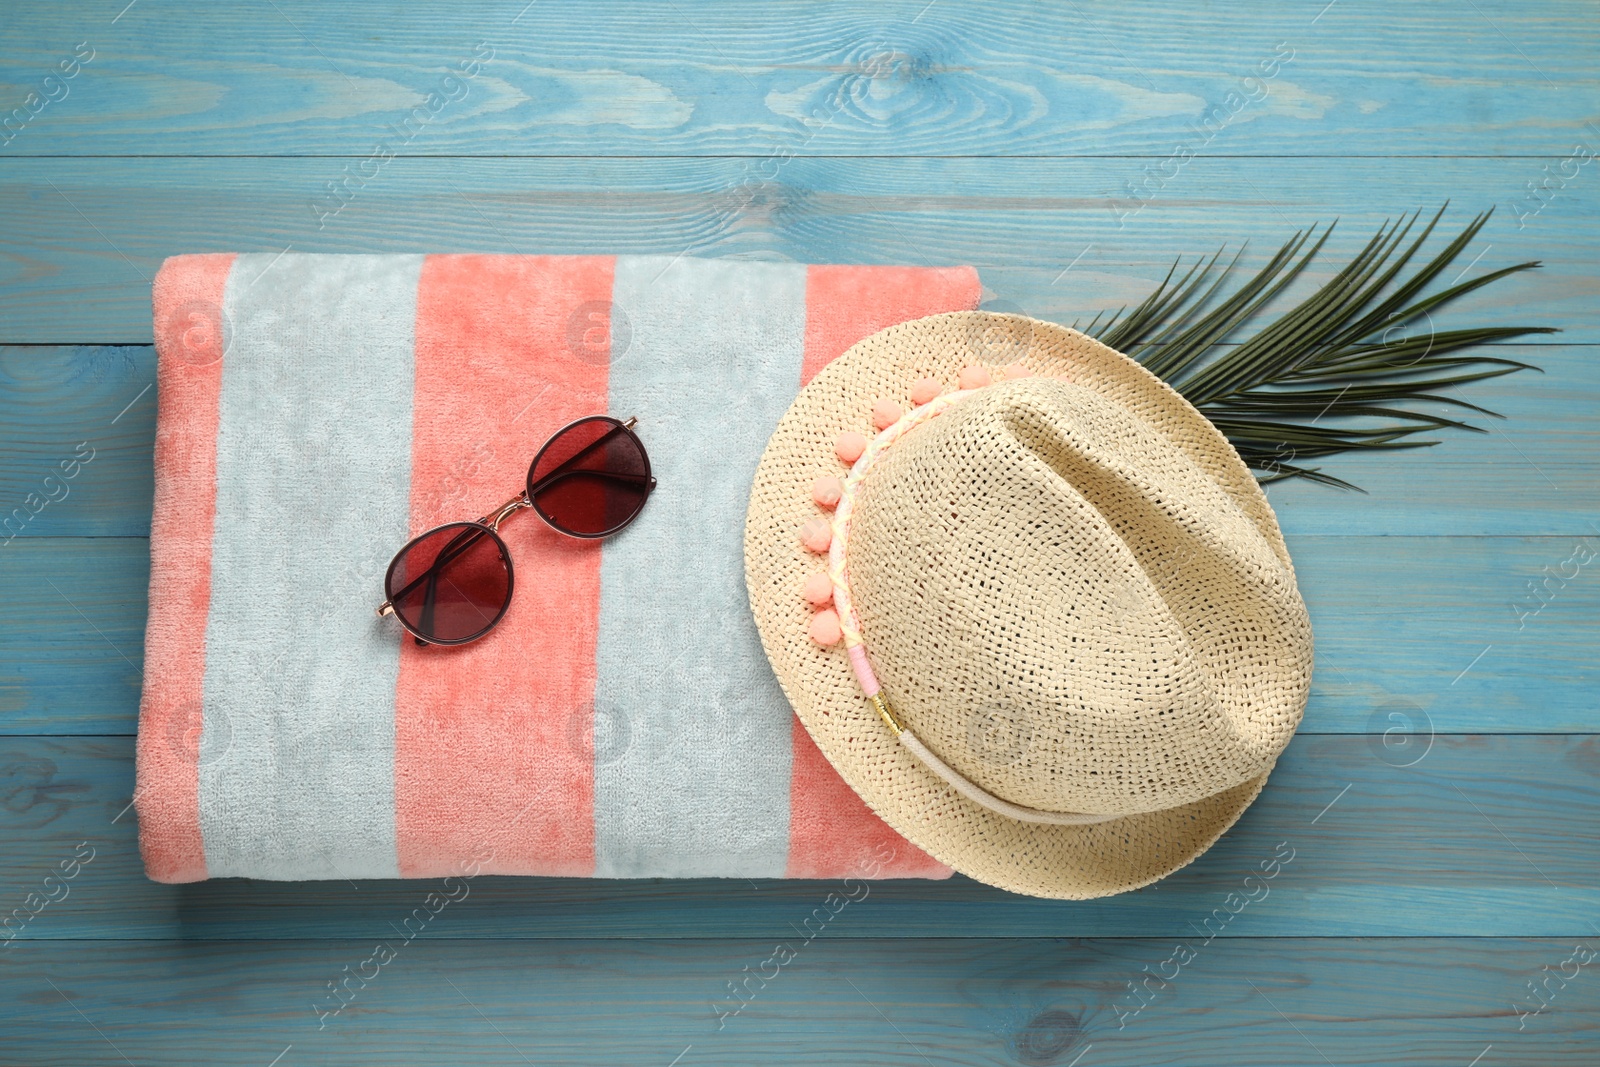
x=826 y=491
x=850 y=446
x=885 y=413
x=825 y=627
x=816 y=535
x=818 y=589
x=974 y=377
x=925 y=390
x=1016 y=370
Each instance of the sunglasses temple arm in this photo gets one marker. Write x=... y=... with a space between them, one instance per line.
x=458 y=544
x=426 y=623
x=461 y=542
x=584 y=451
x=560 y=475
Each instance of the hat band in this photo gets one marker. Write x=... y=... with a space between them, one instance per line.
x=850 y=629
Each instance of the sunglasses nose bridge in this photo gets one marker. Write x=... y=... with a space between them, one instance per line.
x=501 y=513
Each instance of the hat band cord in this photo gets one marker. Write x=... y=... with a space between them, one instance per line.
x=850 y=628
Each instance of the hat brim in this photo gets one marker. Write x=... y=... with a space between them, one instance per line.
x=1074 y=862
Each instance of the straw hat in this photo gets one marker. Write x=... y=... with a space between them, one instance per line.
x=1071 y=591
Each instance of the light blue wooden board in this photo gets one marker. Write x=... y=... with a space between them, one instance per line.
x=1421 y=1003
x=296 y=77
x=59 y=404
x=80 y=241
x=1475 y=836
x=1435 y=630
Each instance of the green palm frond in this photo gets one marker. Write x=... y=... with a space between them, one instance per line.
x=1331 y=375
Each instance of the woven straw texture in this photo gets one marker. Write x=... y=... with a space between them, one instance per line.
x=1074 y=592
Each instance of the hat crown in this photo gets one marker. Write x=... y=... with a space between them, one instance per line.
x=1067 y=608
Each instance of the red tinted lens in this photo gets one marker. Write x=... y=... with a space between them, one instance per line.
x=590 y=479
x=451 y=584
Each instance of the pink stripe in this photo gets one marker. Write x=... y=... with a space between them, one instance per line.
x=494 y=740
x=187 y=297
x=832 y=833
x=846 y=303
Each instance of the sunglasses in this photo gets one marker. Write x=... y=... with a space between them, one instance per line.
x=452 y=584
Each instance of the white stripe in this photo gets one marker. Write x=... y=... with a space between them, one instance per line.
x=297 y=751
x=695 y=779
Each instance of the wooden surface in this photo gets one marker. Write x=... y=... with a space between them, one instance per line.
x=1442 y=801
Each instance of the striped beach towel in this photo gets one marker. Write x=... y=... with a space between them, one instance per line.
x=317 y=411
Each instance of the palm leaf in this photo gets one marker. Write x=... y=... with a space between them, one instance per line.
x=1327 y=376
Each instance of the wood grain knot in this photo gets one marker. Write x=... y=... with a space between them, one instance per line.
x=1047 y=1037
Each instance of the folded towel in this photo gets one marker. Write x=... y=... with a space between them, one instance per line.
x=318 y=411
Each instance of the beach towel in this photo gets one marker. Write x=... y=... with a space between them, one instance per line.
x=317 y=411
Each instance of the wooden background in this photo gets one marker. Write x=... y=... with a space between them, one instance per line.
x=1441 y=801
